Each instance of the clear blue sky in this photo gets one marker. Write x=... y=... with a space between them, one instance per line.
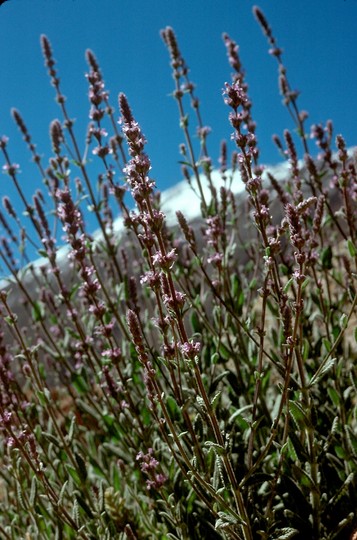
x=319 y=39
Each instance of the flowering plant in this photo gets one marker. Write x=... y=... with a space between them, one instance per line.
x=190 y=382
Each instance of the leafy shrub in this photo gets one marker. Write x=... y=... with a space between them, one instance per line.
x=177 y=383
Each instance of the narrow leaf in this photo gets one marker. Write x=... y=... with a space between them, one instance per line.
x=351 y=248
x=323 y=369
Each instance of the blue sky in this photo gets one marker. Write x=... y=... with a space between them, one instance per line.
x=319 y=39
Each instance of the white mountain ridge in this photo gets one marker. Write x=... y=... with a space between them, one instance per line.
x=181 y=197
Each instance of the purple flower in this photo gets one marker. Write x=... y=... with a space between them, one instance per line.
x=11 y=168
x=232 y=53
x=148 y=465
x=165 y=261
x=275 y=51
x=3 y=141
x=115 y=354
x=190 y=349
x=135 y=332
x=299 y=277
x=97 y=309
x=152 y=279
x=235 y=95
x=101 y=151
x=10 y=442
x=203 y=131
x=263 y=23
x=157 y=482
x=176 y=303
x=68 y=213
x=56 y=134
x=6 y=418
x=216 y=259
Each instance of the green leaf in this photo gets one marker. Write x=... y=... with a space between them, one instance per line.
x=284 y=534
x=237 y=293
x=299 y=449
x=305 y=349
x=224 y=352
x=62 y=492
x=114 y=449
x=73 y=291
x=342 y=491
x=75 y=512
x=174 y=409
x=11 y=320
x=33 y=492
x=74 y=474
x=20 y=499
x=291 y=450
x=226 y=520
x=184 y=121
x=42 y=253
x=352 y=441
x=81 y=467
x=334 y=396
x=327 y=344
x=38 y=311
x=219 y=450
x=283 y=269
x=258 y=479
x=351 y=248
x=326 y=258
x=108 y=420
x=299 y=416
x=41 y=398
x=303 y=478
x=323 y=369
x=51 y=438
x=340 y=452
x=219 y=377
x=215 y=400
x=97 y=469
x=253 y=284
x=238 y=417
x=195 y=322
x=146 y=416
x=288 y=285
x=343 y=321
x=334 y=428
x=83 y=406
x=80 y=384
x=100 y=498
x=71 y=429
x=82 y=503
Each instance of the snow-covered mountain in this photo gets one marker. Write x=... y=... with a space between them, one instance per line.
x=180 y=197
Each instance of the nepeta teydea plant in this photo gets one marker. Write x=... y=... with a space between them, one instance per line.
x=188 y=383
